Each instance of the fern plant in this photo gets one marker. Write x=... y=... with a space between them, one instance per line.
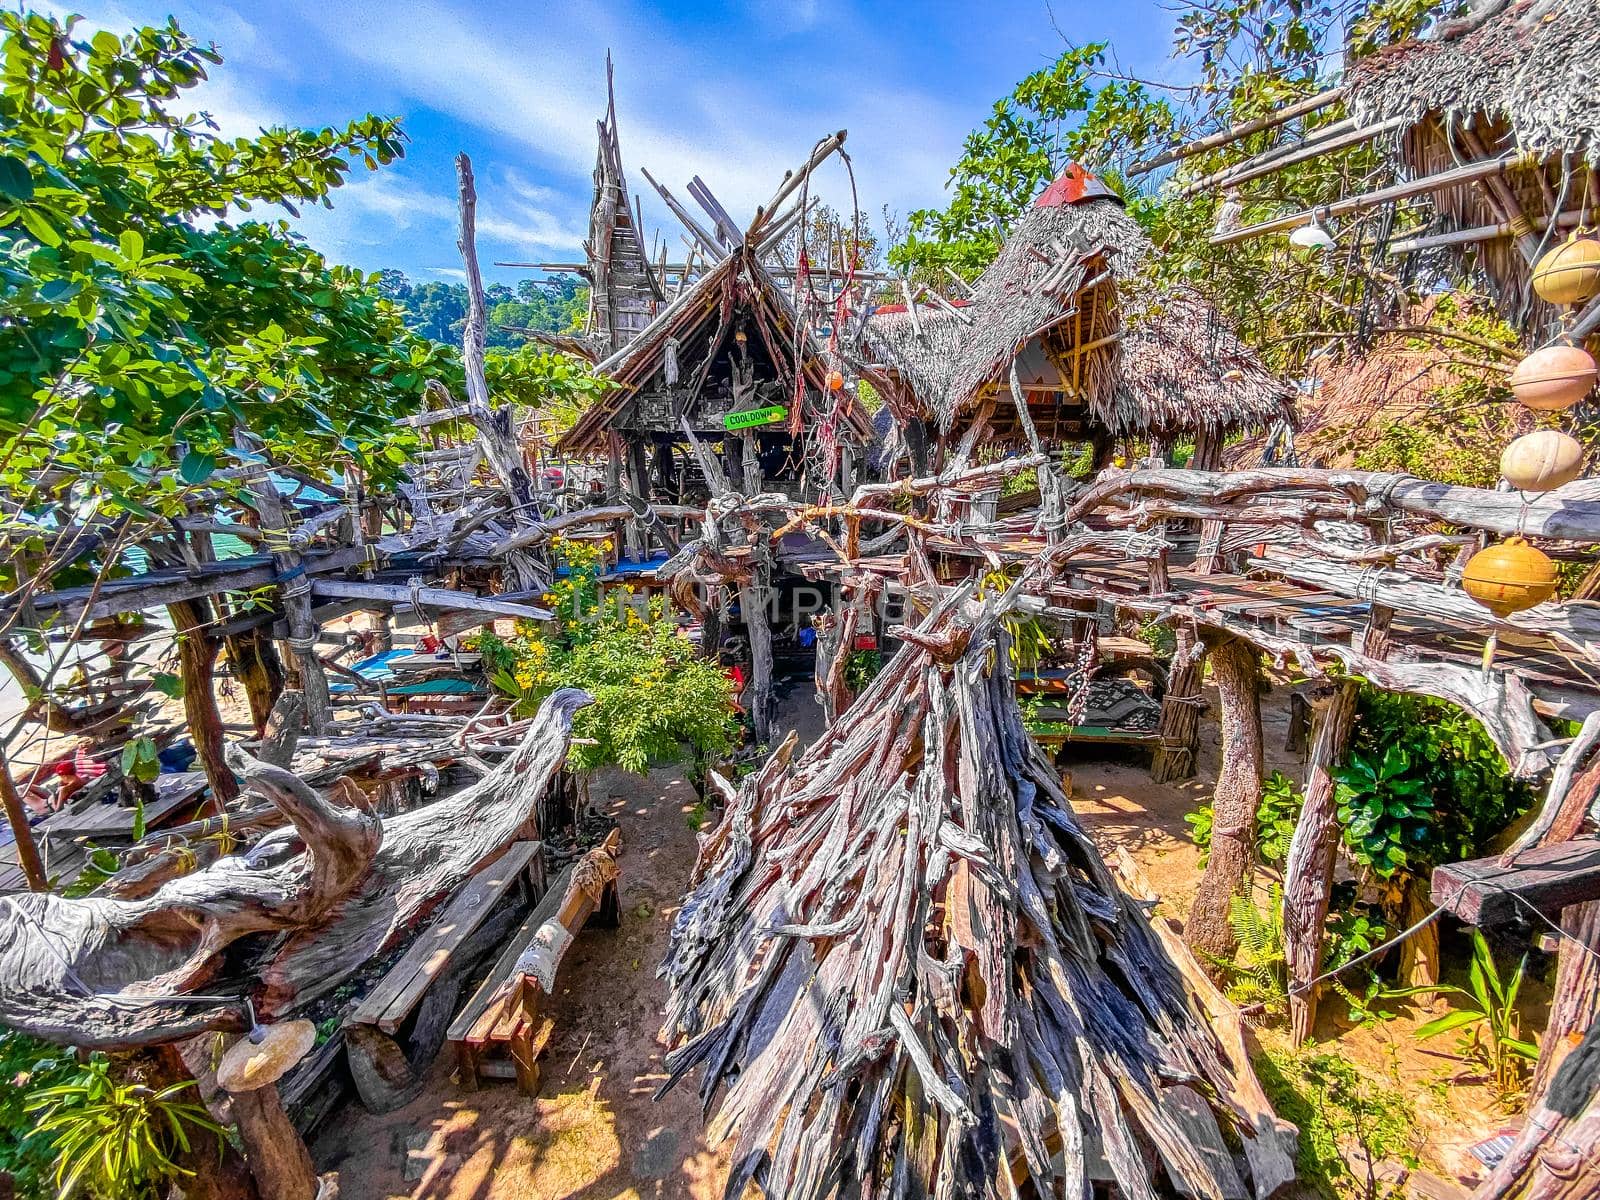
x=1261 y=981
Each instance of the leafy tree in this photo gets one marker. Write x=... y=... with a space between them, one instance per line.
x=1247 y=58
x=141 y=322
x=438 y=310
x=654 y=695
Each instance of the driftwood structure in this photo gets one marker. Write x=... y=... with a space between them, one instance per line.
x=903 y=964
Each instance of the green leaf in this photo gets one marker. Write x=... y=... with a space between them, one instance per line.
x=1459 y=1019
x=16 y=181
x=196 y=467
x=35 y=223
x=169 y=685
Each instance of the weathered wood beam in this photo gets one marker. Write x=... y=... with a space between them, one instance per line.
x=434 y=597
x=1546 y=879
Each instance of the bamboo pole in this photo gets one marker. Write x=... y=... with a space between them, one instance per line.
x=1337 y=137
x=1271 y=121
x=1467 y=173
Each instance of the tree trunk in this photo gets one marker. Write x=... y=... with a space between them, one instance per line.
x=277 y=1155
x=1309 y=872
x=259 y=670
x=1236 y=666
x=197 y=658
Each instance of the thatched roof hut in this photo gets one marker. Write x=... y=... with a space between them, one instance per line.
x=1098 y=355
x=681 y=366
x=1517 y=78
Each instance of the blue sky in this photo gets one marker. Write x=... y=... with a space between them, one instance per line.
x=733 y=90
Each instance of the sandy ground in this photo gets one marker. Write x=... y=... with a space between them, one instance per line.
x=595 y=1133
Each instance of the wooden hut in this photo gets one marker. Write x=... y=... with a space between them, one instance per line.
x=728 y=362
x=1493 y=118
x=1099 y=355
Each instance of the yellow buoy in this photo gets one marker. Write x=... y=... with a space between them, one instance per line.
x=1541 y=461
x=1509 y=576
x=1552 y=378
x=1570 y=273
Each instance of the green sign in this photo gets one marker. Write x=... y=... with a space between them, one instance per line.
x=750 y=417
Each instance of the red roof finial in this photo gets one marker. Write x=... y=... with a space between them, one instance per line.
x=1074 y=186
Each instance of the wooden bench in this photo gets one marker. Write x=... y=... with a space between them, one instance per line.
x=508 y=1011
x=395 y=1032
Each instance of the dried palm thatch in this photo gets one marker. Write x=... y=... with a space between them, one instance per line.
x=1139 y=363
x=911 y=972
x=1534 y=64
x=1521 y=76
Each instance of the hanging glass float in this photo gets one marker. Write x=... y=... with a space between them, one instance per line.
x=1510 y=576
x=1553 y=378
x=1541 y=461
x=1506 y=578
x=835 y=381
x=1569 y=273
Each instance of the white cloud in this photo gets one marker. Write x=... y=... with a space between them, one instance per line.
x=373 y=215
x=453 y=273
x=684 y=110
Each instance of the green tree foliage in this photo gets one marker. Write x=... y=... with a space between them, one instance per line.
x=654 y=695
x=1423 y=784
x=1245 y=59
x=438 y=311
x=142 y=320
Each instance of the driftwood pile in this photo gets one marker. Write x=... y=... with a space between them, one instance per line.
x=280 y=924
x=907 y=971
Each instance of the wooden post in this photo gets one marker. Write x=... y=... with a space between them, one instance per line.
x=295 y=590
x=1575 y=1005
x=17 y=817
x=1235 y=664
x=1178 y=730
x=753 y=604
x=277 y=1155
x=197 y=658
x=1308 y=874
x=259 y=670
x=216 y=1170
x=1310 y=866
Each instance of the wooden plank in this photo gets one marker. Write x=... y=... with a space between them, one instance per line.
x=391 y=1002
x=501 y=971
x=433 y=597
x=1481 y=891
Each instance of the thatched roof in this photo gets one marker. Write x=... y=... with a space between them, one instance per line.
x=1531 y=64
x=1064 y=295
x=739 y=279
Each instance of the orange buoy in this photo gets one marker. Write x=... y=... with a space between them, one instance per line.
x=1509 y=576
x=1569 y=273
x=835 y=381
x=1552 y=378
x=1541 y=461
